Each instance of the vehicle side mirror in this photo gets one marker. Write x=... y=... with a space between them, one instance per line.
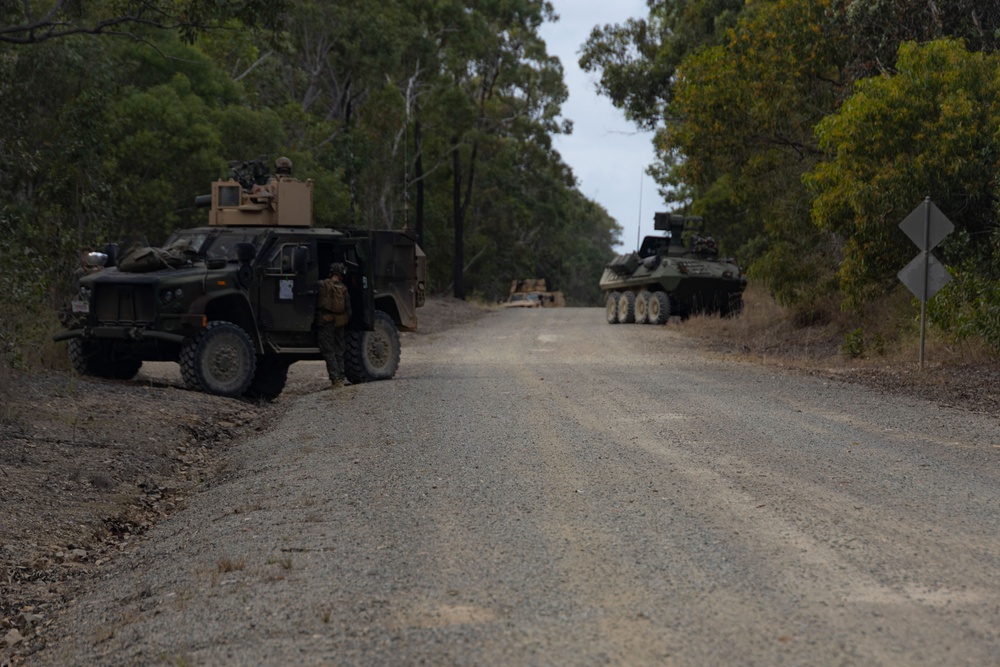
x=246 y=252
x=95 y=259
x=300 y=260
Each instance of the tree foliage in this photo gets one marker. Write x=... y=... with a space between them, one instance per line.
x=37 y=21
x=638 y=60
x=806 y=129
x=929 y=130
x=435 y=115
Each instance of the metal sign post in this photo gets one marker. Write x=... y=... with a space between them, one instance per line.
x=926 y=226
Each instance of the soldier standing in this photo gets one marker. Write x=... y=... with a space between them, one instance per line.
x=333 y=312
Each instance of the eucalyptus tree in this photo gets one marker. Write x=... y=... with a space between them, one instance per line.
x=504 y=85
x=637 y=60
x=36 y=21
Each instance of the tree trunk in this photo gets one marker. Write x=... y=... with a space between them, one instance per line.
x=458 y=289
x=419 y=174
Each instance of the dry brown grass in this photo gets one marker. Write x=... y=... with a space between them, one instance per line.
x=766 y=332
x=226 y=564
x=884 y=334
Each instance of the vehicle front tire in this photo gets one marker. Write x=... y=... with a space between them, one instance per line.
x=221 y=360
x=93 y=357
x=373 y=355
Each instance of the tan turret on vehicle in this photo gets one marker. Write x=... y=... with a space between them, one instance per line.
x=533 y=293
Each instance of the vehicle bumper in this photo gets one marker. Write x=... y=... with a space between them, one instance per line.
x=178 y=329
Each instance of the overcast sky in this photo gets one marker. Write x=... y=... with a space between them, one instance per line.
x=606 y=152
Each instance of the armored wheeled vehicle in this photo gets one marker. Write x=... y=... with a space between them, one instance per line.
x=679 y=273
x=234 y=302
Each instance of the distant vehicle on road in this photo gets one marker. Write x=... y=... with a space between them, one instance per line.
x=672 y=275
x=533 y=293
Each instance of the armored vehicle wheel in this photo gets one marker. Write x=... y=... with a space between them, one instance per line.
x=733 y=306
x=626 y=307
x=269 y=379
x=642 y=307
x=373 y=355
x=659 y=308
x=611 y=308
x=221 y=359
x=90 y=357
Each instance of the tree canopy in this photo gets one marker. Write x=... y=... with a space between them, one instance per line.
x=805 y=130
x=431 y=115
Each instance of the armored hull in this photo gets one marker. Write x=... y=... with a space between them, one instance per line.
x=667 y=276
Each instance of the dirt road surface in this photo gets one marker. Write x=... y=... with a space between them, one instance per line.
x=540 y=488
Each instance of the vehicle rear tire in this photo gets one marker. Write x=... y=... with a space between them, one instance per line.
x=626 y=307
x=221 y=360
x=373 y=355
x=733 y=306
x=269 y=379
x=94 y=357
x=659 y=308
x=611 y=308
x=642 y=307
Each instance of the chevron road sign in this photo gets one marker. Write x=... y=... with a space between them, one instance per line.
x=926 y=226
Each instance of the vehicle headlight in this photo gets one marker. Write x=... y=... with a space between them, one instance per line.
x=170 y=295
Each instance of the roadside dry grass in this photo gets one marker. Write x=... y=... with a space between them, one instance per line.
x=882 y=352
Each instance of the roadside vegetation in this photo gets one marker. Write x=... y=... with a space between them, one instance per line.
x=806 y=131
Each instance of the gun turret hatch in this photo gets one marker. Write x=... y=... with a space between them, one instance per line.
x=286 y=202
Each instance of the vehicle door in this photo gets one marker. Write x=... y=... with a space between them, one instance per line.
x=354 y=253
x=288 y=291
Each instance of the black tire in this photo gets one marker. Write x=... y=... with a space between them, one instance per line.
x=626 y=307
x=611 y=308
x=269 y=379
x=642 y=307
x=221 y=360
x=93 y=357
x=659 y=308
x=733 y=306
x=373 y=355
x=186 y=362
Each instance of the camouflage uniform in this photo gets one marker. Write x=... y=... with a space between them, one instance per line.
x=331 y=334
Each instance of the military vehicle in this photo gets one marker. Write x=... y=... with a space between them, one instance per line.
x=671 y=275
x=234 y=302
x=533 y=293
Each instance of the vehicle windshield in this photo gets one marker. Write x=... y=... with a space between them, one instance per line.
x=213 y=245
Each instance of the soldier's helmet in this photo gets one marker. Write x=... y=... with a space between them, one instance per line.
x=337 y=269
x=282 y=166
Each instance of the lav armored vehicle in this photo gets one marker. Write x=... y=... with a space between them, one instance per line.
x=234 y=302
x=669 y=275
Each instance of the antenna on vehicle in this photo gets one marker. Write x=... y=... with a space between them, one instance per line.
x=638 y=229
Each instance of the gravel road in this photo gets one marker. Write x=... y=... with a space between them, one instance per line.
x=540 y=488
